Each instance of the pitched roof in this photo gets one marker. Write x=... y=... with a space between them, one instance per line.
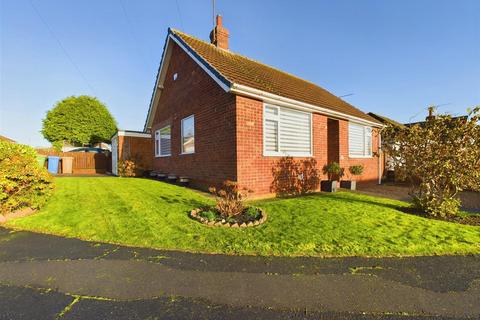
x=3 y=138
x=234 y=68
x=386 y=120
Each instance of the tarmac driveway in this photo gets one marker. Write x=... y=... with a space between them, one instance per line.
x=49 y=277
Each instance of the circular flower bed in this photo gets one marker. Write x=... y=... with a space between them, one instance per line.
x=250 y=217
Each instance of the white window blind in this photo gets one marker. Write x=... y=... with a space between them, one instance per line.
x=163 y=142
x=287 y=132
x=359 y=141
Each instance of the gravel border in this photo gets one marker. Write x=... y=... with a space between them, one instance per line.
x=195 y=214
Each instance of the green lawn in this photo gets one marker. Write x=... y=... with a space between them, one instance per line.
x=148 y=213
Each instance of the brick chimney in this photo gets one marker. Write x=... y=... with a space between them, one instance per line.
x=431 y=113
x=219 y=34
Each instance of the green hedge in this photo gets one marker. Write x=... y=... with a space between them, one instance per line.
x=23 y=182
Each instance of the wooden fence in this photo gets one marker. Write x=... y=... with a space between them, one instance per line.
x=85 y=162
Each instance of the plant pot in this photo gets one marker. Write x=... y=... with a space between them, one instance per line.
x=390 y=176
x=329 y=186
x=348 y=184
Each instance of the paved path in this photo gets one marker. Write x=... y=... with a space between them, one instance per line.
x=48 y=277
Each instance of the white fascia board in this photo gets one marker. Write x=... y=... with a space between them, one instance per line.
x=157 y=83
x=122 y=133
x=295 y=104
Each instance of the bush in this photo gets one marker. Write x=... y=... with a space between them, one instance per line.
x=131 y=167
x=230 y=199
x=356 y=170
x=23 y=182
x=333 y=171
x=440 y=158
x=127 y=168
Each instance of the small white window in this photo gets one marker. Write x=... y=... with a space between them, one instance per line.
x=286 y=132
x=188 y=135
x=359 y=141
x=175 y=76
x=163 y=142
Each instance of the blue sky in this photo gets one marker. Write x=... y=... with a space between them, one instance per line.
x=397 y=57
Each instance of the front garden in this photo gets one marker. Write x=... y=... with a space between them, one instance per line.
x=148 y=213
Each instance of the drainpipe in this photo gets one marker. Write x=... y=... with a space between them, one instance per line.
x=380 y=152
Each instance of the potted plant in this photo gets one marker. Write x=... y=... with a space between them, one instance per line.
x=355 y=170
x=333 y=172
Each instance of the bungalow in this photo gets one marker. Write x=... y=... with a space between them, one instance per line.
x=217 y=115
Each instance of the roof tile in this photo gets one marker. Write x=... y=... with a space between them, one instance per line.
x=244 y=71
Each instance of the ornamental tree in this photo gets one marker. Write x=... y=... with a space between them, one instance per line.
x=78 y=120
x=439 y=157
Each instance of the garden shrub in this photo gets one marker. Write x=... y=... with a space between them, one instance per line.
x=23 y=182
x=230 y=199
x=333 y=171
x=356 y=170
x=131 y=167
x=127 y=168
x=439 y=158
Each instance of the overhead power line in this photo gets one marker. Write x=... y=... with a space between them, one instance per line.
x=180 y=15
x=134 y=36
x=65 y=52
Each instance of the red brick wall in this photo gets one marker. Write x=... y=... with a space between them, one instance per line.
x=255 y=171
x=194 y=92
x=138 y=149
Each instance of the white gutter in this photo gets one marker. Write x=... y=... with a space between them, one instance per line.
x=286 y=102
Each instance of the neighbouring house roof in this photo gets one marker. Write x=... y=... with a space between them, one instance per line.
x=385 y=120
x=3 y=138
x=421 y=123
x=240 y=74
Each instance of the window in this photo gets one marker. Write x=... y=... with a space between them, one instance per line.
x=163 y=142
x=188 y=135
x=359 y=141
x=286 y=132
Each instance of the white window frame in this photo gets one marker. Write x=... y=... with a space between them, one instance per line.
x=367 y=153
x=281 y=153
x=158 y=137
x=181 y=134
